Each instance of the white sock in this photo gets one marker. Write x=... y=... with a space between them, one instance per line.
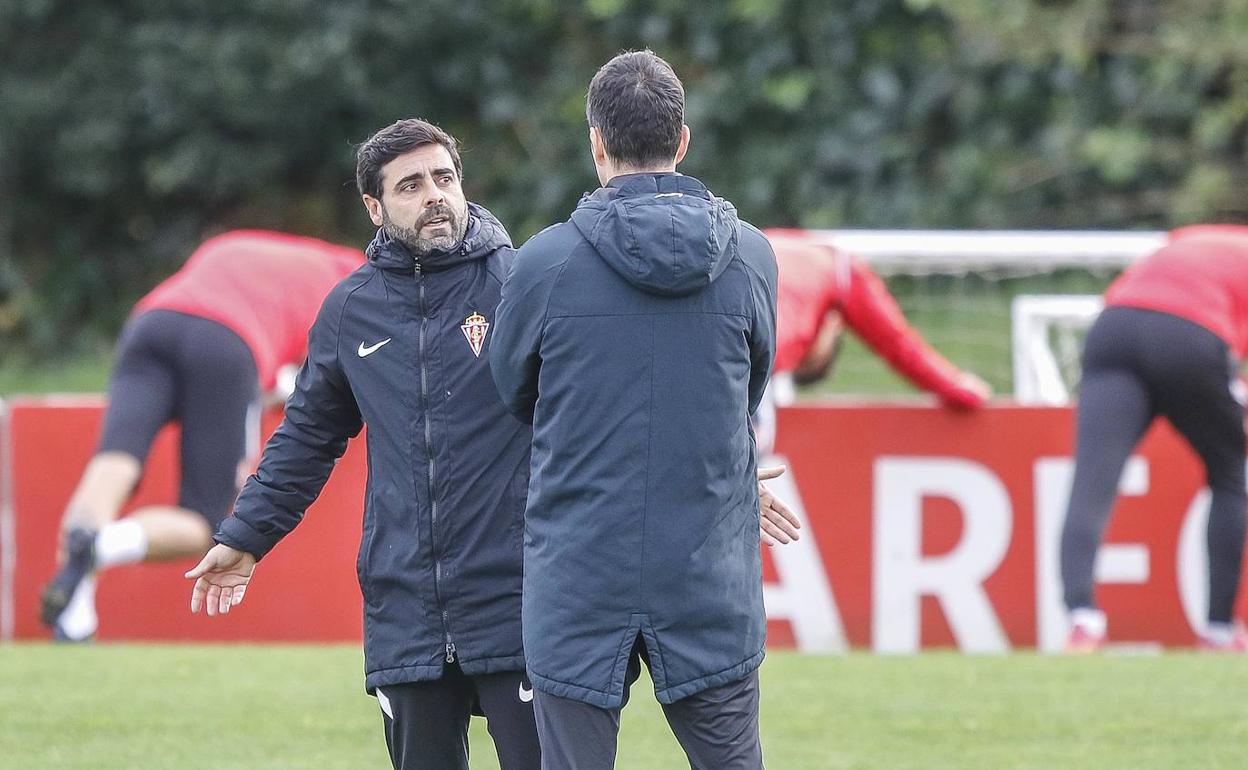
x=1220 y=633
x=1089 y=619
x=78 y=620
x=122 y=542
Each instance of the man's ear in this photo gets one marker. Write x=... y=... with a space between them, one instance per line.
x=598 y=147
x=374 y=209
x=684 y=145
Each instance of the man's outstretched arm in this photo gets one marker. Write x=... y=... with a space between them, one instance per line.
x=221 y=579
x=321 y=416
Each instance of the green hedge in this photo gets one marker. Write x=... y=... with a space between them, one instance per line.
x=131 y=129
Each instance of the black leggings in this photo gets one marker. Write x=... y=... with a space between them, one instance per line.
x=1138 y=365
x=426 y=723
x=173 y=366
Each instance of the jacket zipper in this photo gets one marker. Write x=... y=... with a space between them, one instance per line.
x=433 y=498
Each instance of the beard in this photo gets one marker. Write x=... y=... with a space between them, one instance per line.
x=420 y=246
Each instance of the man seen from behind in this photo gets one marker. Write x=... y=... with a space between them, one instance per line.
x=638 y=337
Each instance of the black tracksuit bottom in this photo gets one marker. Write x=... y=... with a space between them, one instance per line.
x=1138 y=365
x=426 y=723
x=717 y=728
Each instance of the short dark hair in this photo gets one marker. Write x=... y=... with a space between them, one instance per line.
x=638 y=106
x=391 y=142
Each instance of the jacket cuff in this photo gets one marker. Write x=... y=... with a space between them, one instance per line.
x=240 y=535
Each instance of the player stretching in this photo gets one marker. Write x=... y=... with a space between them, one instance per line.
x=1169 y=343
x=196 y=350
x=822 y=290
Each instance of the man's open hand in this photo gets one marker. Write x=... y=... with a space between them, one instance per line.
x=777 y=524
x=221 y=579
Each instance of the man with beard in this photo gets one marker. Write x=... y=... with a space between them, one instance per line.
x=401 y=346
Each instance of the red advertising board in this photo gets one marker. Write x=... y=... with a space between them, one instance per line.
x=923 y=528
x=305 y=590
x=933 y=528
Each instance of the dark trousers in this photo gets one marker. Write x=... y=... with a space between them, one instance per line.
x=426 y=723
x=717 y=728
x=173 y=366
x=1138 y=365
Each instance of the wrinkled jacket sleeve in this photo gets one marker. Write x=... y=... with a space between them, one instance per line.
x=763 y=325
x=321 y=415
x=515 y=352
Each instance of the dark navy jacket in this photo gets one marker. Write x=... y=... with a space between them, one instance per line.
x=406 y=352
x=638 y=338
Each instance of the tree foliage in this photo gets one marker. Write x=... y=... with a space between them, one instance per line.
x=131 y=129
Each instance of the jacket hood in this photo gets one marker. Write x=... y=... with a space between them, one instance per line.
x=663 y=233
x=485 y=234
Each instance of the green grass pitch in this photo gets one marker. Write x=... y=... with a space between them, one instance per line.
x=286 y=707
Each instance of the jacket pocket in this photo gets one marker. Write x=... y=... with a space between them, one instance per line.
x=519 y=501
x=364 y=559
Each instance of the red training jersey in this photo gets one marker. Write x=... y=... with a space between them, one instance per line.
x=1200 y=275
x=266 y=287
x=816 y=279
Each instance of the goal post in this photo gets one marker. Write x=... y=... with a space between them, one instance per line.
x=1047 y=332
x=916 y=252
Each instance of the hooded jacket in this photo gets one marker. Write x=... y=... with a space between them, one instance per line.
x=403 y=348
x=638 y=338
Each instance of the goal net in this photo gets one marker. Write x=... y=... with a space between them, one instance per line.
x=1010 y=306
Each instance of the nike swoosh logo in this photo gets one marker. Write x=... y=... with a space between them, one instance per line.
x=370 y=349
x=526 y=695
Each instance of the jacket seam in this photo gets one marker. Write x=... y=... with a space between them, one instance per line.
x=606 y=693
x=753 y=295
x=656 y=655
x=721 y=672
x=640 y=315
x=499 y=276
x=343 y=314
x=550 y=293
x=751 y=268
x=645 y=509
x=403 y=666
